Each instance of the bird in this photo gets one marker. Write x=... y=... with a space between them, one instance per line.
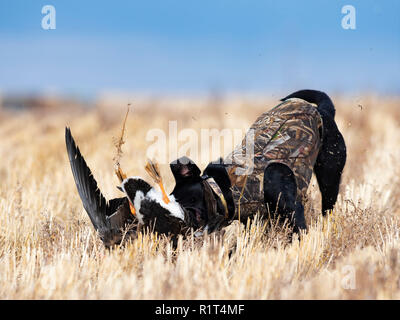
x=107 y=217
x=117 y=220
x=153 y=209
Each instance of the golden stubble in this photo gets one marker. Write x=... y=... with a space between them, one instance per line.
x=49 y=250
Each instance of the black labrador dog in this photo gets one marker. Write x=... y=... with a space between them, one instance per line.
x=268 y=172
x=294 y=139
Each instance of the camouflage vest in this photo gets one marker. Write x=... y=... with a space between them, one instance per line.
x=289 y=134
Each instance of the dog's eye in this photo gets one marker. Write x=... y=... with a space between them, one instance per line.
x=192 y=200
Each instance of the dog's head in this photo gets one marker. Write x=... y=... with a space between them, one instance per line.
x=192 y=192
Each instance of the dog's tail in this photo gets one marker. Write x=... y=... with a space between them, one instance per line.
x=321 y=99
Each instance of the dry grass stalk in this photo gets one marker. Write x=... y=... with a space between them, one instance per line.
x=49 y=250
x=118 y=144
x=154 y=172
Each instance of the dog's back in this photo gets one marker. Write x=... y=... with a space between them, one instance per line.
x=290 y=134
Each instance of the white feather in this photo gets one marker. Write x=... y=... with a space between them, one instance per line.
x=173 y=207
x=137 y=203
x=139 y=196
x=200 y=233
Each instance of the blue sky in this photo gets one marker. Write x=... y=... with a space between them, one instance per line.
x=182 y=47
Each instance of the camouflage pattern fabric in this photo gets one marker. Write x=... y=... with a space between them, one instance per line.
x=290 y=134
x=217 y=190
x=215 y=219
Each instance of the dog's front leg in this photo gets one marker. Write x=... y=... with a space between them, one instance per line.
x=280 y=196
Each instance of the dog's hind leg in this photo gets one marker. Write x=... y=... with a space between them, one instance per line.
x=329 y=166
x=280 y=194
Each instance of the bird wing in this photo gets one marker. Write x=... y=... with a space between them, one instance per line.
x=102 y=213
x=159 y=218
x=121 y=216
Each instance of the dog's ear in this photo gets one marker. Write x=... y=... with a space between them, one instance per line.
x=184 y=168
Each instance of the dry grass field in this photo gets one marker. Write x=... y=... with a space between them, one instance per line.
x=49 y=250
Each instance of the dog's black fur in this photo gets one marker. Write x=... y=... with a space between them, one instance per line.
x=279 y=181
